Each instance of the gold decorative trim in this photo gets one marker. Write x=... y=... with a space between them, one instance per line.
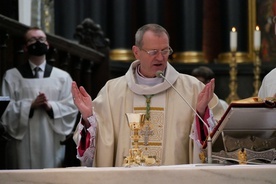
x=241 y=57
x=151 y=108
x=121 y=55
x=149 y=144
x=188 y=57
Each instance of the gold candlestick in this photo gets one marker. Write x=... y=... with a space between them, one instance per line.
x=233 y=79
x=257 y=72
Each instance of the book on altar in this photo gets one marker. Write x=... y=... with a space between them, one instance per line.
x=251 y=117
x=4 y=101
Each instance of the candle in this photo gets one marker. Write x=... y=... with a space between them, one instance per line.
x=257 y=39
x=233 y=40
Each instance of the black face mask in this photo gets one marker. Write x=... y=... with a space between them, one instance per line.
x=37 y=49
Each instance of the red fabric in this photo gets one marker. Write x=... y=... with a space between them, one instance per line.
x=85 y=141
x=200 y=127
x=274 y=8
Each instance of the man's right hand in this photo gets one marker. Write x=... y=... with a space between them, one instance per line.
x=82 y=100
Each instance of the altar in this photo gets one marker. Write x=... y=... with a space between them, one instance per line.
x=205 y=174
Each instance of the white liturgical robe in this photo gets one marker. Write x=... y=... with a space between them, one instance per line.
x=268 y=87
x=171 y=118
x=35 y=141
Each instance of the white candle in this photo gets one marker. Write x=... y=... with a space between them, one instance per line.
x=233 y=40
x=257 y=39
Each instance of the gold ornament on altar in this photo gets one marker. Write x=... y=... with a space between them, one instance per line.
x=136 y=122
x=242 y=156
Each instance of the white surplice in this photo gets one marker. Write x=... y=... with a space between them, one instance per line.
x=268 y=87
x=35 y=141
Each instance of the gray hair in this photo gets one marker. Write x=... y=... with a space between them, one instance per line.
x=157 y=29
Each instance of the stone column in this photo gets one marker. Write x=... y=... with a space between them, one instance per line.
x=36 y=13
x=121 y=19
x=48 y=16
x=188 y=27
x=152 y=11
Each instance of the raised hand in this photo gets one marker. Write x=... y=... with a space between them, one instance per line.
x=82 y=100
x=205 y=96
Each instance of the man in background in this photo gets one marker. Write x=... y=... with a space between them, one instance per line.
x=41 y=111
x=205 y=75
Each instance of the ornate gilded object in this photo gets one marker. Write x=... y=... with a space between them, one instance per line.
x=242 y=156
x=233 y=80
x=135 y=158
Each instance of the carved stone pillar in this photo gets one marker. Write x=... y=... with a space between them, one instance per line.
x=41 y=14
x=36 y=13
x=48 y=16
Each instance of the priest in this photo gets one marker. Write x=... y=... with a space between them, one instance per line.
x=103 y=134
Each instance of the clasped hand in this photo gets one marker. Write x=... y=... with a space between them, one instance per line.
x=41 y=101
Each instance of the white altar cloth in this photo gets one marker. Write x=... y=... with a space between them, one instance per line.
x=202 y=174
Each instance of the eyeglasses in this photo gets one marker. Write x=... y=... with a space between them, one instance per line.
x=164 y=52
x=33 y=40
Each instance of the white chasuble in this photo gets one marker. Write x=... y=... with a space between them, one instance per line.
x=170 y=118
x=152 y=133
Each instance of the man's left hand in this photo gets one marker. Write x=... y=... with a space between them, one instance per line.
x=204 y=97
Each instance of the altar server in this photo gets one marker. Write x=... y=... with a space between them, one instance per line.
x=41 y=111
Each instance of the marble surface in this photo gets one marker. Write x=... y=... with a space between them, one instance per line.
x=205 y=174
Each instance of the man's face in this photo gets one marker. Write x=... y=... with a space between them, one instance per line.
x=35 y=35
x=150 y=64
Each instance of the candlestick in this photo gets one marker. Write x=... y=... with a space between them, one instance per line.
x=257 y=39
x=233 y=85
x=233 y=40
x=257 y=73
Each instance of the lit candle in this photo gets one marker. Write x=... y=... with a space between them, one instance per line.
x=257 y=39
x=233 y=40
